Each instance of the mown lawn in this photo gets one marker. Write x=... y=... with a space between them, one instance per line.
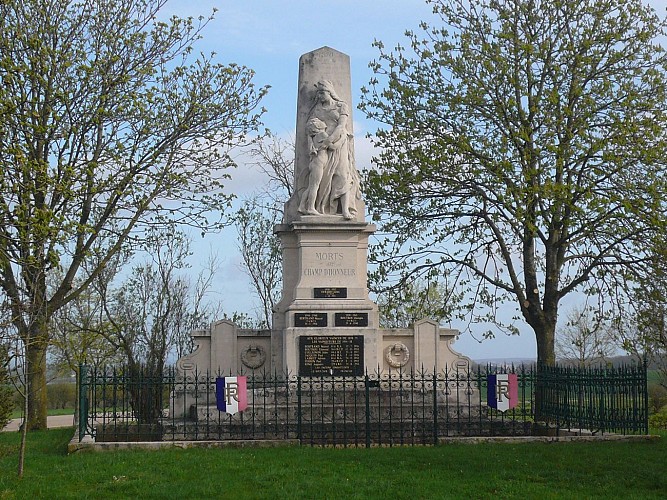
x=535 y=470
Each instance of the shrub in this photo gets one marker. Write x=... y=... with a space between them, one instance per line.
x=17 y=398
x=6 y=394
x=6 y=404
x=61 y=395
x=657 y=397
x=658 y=420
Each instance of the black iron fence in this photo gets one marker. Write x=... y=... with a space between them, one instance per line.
x=394 y=408
x=601 y=399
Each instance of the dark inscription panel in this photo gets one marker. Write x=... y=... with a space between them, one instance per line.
x=351 y=319
x=330 y=293
x=310 y=319
x=331 y=355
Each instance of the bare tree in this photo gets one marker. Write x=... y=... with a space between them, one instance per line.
x=643 y=323
x=255 y=221
x=274 y=156
x=151 y=312
x=76 y=333
x=586 y=338
x=261 y=251
x=77 y=337
x=198 y=309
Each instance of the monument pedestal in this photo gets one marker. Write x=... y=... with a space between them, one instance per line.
x=325 y=290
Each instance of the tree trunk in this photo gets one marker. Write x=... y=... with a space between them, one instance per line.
x=146 y=392
x=36 y=383
x=24 y=432
x=546 y=353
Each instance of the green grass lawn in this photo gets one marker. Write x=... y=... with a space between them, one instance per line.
x=536 y=470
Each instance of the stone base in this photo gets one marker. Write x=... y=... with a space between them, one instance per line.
x=324 y=409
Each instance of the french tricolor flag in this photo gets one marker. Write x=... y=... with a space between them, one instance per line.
x=502 y=391
x=231 y=394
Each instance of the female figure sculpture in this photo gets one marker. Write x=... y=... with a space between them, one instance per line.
x=332 y=186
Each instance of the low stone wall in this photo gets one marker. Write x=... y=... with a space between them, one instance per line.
x=89 y=445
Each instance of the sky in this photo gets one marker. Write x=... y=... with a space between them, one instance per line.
x=269 y=36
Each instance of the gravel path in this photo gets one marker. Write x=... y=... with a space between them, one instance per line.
x=52 y=422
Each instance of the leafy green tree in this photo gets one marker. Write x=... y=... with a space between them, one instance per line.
x=642 y=326
x=404 y=305
x=108 y=125
x=523 y=150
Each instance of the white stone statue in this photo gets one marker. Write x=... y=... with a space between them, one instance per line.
x=332 y=178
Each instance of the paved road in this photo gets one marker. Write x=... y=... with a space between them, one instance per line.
x=52 y=422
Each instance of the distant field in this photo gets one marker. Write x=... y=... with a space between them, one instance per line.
x=535 y=470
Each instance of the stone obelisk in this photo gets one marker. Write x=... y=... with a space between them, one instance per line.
x=324 y=234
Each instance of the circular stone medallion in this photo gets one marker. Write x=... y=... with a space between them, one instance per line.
x=253 y=356
x=397 y=355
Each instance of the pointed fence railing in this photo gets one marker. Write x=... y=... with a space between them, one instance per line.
x=600 y=399
x=388 y=408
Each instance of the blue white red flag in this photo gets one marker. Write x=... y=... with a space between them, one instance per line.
x=231 y=394
x=502 y=391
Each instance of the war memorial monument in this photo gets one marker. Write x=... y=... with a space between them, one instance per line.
x=325 y=324
x=326 y=373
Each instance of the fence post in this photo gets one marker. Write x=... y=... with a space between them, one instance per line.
x=368 y=411
x=83 y=400
x=645 y=389
x=298 y=410
x=435 y=406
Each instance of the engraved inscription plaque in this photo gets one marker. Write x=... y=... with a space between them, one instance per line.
x=351 y=319
x=331 y=355
x=310 y=319
x=330 y=293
